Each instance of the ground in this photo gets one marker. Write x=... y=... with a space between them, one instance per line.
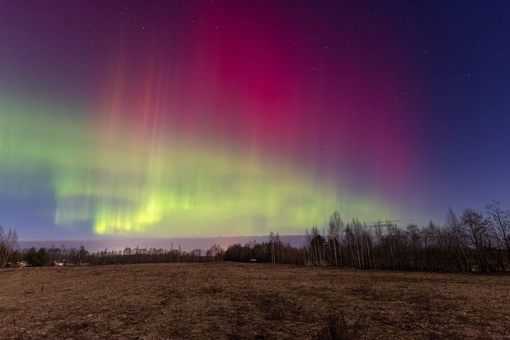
x=263 y=301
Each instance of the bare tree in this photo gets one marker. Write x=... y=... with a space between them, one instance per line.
x=499 y=221
x=272 y=245
x=318 y=246
x=105 y=253
x=477 y=228
x=82 y=253
x=458 y=238
x=414 y=241
x=8 y=244
x=279 y=248
x=308 y=248
x=349 y=245
x=358 y=229
x=215 y=251
x=336 y=224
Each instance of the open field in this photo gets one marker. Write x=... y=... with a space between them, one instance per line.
x=230 y=300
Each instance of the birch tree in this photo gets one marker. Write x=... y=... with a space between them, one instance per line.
x=336 y=225
x=8 y=244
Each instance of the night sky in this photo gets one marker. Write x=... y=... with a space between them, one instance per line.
x=223 y=118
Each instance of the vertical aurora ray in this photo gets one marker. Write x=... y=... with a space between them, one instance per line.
x=184 y=188
x=234 y=127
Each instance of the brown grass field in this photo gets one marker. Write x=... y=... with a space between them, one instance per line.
x=248 y=301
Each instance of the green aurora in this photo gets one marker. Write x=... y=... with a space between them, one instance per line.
x=161 y=183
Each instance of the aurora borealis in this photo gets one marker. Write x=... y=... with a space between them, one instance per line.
x=207 y=118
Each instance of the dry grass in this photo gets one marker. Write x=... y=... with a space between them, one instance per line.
x=253 y=301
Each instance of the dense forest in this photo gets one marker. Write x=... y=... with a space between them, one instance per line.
x=472 y=242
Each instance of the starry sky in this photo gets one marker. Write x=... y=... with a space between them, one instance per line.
x=224 y=118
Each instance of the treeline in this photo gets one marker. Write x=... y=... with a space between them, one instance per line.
x=471 y=242
x=272 y=251
x=155 y=255
x=74 y=256
x=46 y=256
